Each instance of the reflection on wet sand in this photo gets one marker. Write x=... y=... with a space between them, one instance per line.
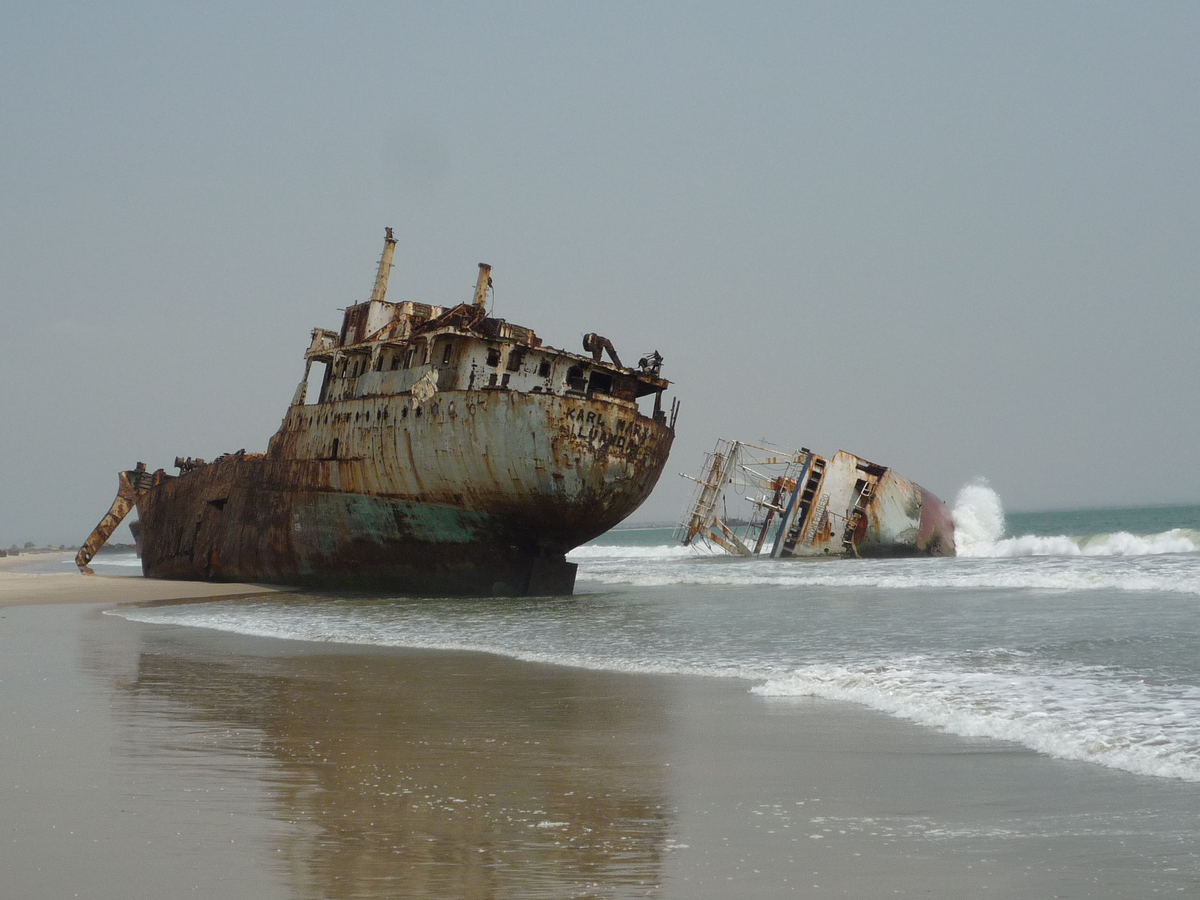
x=418 y=774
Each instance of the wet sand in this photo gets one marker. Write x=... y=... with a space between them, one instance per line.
x=141 y=761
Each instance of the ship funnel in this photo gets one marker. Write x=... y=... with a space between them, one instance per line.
x=482 y=285
x=385 y=267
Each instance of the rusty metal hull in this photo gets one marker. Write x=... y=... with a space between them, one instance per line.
x=866 y=510
x=473 y=492
x=901 y=519
x=447 y=452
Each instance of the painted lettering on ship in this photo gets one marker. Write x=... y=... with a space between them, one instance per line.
x=627 y=437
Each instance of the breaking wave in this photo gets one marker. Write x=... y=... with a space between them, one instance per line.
x=978 y=518
x=1119 y=543
x=615 y=551
x=950 y=574
x=1074 y=713
x=979 y=528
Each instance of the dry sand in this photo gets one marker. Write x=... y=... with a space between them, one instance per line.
x=18 y=588
x=28 y=558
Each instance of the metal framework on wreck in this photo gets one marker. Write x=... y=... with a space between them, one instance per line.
x=814 y=506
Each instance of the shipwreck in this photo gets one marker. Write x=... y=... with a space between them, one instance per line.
x=798 y=504
x=446 y=452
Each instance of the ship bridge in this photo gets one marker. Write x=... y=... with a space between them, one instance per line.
x=386 y=348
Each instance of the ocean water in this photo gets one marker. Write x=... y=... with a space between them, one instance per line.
x=1074 y=634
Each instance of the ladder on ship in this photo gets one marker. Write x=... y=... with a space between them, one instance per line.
x=866 y=490
x=815 y=523
x=804 y=500
x=703 y=522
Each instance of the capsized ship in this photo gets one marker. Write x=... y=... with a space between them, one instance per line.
x=811 y=506
x=448 y=452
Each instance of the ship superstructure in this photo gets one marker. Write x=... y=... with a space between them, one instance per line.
x=446 y=452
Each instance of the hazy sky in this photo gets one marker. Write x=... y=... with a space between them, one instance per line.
x=959 y=239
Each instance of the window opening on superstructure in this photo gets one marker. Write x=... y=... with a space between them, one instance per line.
x=600 y=382
x=493 y=357
x=575 y=380
x=544 y=368
x=446 y=355
x=515 y=358
x=314 y=382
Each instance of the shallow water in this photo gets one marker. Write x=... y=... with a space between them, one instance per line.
x=1081 y=646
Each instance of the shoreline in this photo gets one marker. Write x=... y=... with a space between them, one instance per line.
x=301 y=770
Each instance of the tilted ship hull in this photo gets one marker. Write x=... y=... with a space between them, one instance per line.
x=447 y=453
x=805 y=505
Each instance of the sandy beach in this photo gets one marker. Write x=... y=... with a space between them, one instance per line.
x=139 y=761
x=23 y=588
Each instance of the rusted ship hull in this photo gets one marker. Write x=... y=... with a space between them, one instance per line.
x=905 y=520
x=447 y=452
x=471 y=493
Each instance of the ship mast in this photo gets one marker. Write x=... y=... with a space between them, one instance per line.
x=482 y=285
x=385 y=268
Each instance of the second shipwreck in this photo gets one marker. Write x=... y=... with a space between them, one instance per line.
x=807 y=505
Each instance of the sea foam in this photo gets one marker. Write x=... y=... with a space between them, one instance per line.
x=616 y=551
x=979 y=528
x=1074 y=714
x=978 y=519
x=947 y=575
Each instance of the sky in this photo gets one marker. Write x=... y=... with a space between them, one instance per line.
x=962 y=240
